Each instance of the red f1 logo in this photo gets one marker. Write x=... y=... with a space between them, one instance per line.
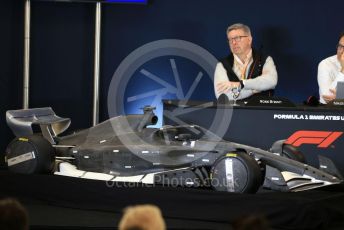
x=322 y=138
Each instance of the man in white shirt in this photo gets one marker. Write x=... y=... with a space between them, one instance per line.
x=330 y=71
x=245 y=68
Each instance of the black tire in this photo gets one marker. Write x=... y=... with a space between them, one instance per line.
x=29 y=155
x=293 y=153
x=246 y=177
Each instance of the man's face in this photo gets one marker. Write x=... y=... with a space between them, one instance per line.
x=340 y=47
x=239 y=42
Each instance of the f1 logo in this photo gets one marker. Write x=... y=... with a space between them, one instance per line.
x=322 y=138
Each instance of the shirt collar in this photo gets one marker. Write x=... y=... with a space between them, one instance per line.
x=247 y=59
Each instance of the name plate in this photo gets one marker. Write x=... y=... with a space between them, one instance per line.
x=337 y=102
x=270 y=101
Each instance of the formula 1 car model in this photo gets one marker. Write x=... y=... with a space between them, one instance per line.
x=123 y=148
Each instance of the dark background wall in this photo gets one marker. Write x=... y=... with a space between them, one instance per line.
x=297 y=34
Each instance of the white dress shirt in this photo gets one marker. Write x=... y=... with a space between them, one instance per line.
x=266 y=81
x=328 y=76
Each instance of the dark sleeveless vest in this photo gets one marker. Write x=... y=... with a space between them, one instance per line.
x=254 y=71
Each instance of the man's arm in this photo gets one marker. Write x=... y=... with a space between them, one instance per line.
x=328 y=76
x=266 y=81
x=223 y=85
x=325 y=83
x=220 y=80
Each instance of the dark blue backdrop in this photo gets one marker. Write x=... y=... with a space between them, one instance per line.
x=297 y=34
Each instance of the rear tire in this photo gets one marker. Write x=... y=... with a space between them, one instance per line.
x=236 y=172
x=29 y=155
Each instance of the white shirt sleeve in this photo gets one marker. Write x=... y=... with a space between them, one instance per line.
x=266 y=81
x=220 y=76
x=328 y=76
x=324 y=80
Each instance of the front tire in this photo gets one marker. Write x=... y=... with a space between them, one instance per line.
x=236 y=172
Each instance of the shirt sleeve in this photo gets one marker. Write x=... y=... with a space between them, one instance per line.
x=220 y=76
x=328 y=76
x=266 y=81
x=324 y=80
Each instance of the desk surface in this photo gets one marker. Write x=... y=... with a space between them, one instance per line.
x=242 y=105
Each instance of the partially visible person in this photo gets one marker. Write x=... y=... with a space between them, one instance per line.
x=13 y=215
x=142 y=217
x=330 y=71
x=247 y=68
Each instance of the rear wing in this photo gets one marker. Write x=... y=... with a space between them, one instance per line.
x=25 y=122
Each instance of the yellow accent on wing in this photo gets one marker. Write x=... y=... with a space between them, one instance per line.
x=231 y=155
x=23 y=139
